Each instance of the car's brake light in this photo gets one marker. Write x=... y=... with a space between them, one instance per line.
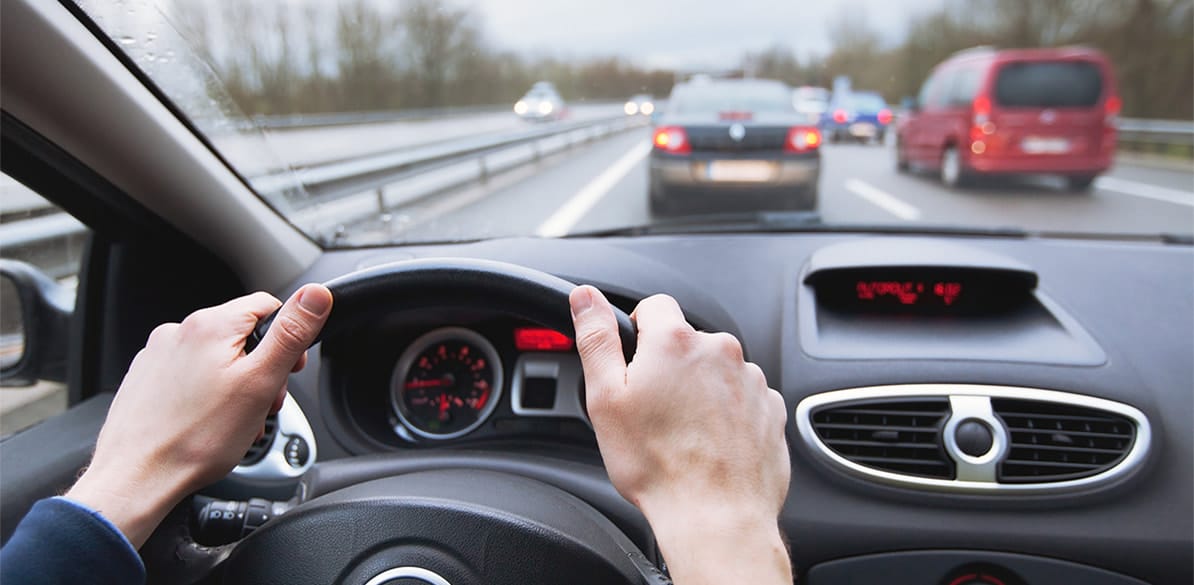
x=672 y=139
x=982 y=110
x=885 y=116
x=1111 y=108
x=840 y=116
x=802 y=139
x=982 y=125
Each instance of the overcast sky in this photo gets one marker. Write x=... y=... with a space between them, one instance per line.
x=683 y=33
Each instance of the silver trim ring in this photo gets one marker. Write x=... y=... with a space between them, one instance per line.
x=407 y=573
x=423 y=342
x=1133 y=459
x=273 y=466
x=985 y=467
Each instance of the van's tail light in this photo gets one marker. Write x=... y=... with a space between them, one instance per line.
x=1111 y=108
x=885 y=116
x=802 y=139
x=840 y=116
x=981 y=127
x=672 y=139
x=982 y=110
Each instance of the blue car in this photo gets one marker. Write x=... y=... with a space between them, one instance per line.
x=860 y=115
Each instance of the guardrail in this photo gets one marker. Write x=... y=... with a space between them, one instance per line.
x=1174 y=137
x=369 y=172
x=357 y=186
x=340 y=193
x=282 y=122
x=289 y=121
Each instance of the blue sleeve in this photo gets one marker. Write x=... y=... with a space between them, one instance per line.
x=61 y=541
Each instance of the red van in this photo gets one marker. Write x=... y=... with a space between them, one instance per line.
x=1025 y=111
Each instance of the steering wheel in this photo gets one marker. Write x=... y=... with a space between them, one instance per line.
x=446 y=523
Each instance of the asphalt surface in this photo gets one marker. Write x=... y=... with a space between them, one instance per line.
x=604 y=186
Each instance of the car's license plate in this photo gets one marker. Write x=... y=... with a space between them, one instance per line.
x=1038 y=145
x=741 y=171
x=862 y=129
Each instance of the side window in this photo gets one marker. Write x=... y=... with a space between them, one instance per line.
x=933 y=94
x=35 y=232
x=964 y=87
x=926 y=90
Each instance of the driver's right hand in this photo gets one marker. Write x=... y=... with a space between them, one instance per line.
x=690 y=433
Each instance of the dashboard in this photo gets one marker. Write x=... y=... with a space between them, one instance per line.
x=1037 y=394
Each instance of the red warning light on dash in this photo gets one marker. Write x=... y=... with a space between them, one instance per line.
x=909 y=292
x=540 y=339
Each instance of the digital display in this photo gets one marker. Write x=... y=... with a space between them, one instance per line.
x=541 y=339
x=909 y=292
x=921 y=290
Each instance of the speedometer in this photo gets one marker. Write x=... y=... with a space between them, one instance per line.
x=446 y=383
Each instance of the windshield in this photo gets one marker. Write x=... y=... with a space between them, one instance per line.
x=370 y=122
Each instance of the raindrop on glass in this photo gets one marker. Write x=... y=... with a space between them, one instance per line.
x=126 y=40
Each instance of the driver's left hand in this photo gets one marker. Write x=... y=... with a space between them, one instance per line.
x=192 y=403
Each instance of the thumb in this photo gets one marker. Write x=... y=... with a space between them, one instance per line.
x=294 y=329
x=598 y=343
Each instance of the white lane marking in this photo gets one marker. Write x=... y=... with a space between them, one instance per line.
x=1145 y=190
x=887 y=201
x=575 y=208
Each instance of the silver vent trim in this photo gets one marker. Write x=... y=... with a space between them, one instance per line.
x=273 y=466
x=975 y=475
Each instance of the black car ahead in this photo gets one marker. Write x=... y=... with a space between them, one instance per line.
x=734 y=143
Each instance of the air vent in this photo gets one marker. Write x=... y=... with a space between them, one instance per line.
x=261 y=446
x=901 y=436
x=1058 y=442
x=975 y=439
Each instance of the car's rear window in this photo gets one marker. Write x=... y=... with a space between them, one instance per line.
x=867 y=102
x=732 y=97
x=1049 y=84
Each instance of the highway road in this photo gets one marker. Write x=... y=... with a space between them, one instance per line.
x=604 y=186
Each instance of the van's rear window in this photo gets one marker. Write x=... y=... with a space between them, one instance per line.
x=1049 y=84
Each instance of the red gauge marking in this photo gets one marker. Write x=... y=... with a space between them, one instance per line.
x=436 y=383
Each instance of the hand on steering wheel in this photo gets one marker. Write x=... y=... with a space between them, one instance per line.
x=691 y=434
x=192 y=403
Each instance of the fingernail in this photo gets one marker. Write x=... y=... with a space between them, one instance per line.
x=582 y=300
x=314 y=300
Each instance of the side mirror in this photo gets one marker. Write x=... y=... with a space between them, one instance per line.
x=908 y=104
x=34 y=325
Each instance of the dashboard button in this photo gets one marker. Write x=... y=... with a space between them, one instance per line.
x=297 y=452
x=974 y=438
